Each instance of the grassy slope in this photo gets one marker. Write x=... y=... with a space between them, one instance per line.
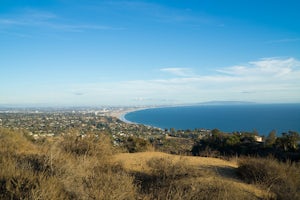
x=85 y=169
x=211 y=169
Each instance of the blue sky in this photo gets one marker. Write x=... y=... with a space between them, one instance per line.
x=92 y=52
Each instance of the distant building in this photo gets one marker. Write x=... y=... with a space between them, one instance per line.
x=258 y=138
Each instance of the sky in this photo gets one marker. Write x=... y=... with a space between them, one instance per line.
x=95 y=53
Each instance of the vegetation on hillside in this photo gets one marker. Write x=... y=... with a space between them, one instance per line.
x=70 y=167
x=217 y=143
x=281 y=180
x=74 y=166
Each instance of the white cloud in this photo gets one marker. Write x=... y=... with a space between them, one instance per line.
x=48 y=20
x=274 y=67
x=265 y=80
x=28 y=18
x=178 y=71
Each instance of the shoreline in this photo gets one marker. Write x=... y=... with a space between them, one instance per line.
x=261 y=129
x=121 y=113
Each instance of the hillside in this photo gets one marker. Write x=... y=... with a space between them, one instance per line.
x=90 y=167
x=203 y=171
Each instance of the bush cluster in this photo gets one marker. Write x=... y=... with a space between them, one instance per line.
x=134 y=144
x=169 y=179
x=282 y=180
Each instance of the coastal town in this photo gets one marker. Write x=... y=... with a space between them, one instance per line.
x=42 y=123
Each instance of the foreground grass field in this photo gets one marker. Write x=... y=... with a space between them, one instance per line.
x=191 y=177
x=72 y=167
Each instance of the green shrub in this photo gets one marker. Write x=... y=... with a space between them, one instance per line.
x=135 y=144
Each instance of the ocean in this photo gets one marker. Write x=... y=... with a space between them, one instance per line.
x=262 y=118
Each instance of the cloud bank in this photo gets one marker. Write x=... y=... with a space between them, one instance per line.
x=275 y=80
x=268 y=80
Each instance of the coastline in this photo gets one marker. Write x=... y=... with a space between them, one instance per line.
x=209 y=121
x=122 y=112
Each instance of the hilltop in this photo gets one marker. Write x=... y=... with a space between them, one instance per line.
x=90 y=167
x=197 y=174
x=90 y=155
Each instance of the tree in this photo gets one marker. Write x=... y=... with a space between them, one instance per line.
x=270 y=140
x=233 y=140
x=288 y=141
x=293 y=138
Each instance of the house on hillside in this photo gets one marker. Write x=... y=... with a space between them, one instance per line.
x=258 y=138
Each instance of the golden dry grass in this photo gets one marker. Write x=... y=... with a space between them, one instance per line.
x=67 y=168
x=206 y=171
x=74 y=168
x=282 y=180
x=138 y=161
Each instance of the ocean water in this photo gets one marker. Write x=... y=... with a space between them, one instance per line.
x=262 y=118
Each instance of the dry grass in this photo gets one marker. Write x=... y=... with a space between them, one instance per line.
x=14 y=142
x=165 y=176
x=69 y=168
x=281 y=180
x=138 y=161
x=72 y=167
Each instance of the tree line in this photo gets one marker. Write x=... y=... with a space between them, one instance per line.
x=218 y=143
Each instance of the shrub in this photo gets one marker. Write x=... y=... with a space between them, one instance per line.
x=135 y=144
x=164 y=172
x=24 y=183
x=214 y=189
x=88 y=145
x=35 y=163
x=66 y=168
x=165 y=168
x=87 y=170
x=12 y=142
x=281 y=179
x=174 y=180
x=109 y=182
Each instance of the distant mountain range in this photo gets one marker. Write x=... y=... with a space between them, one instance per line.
x=225 y=103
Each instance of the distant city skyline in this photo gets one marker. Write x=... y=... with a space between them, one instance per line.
x=123 y=53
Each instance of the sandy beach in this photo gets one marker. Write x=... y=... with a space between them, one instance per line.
x=120 y=113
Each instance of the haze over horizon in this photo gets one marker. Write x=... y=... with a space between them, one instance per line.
x=89 y=53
